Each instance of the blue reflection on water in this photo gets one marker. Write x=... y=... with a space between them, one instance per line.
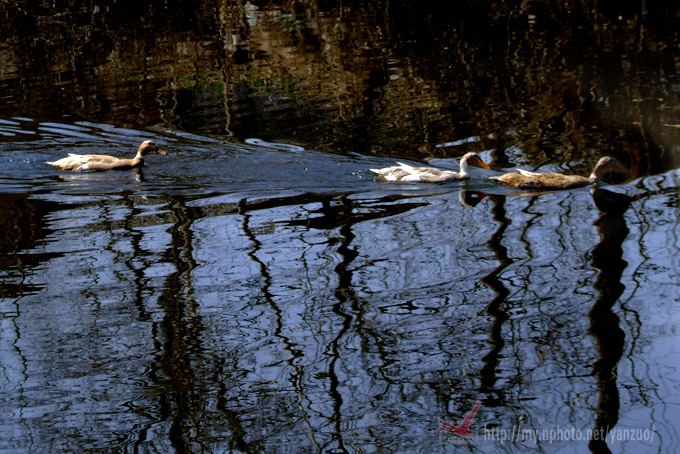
x=257 y=298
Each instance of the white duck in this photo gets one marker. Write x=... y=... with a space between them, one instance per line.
x=404 y=173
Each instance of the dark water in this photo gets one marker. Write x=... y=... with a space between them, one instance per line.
x=256 y=290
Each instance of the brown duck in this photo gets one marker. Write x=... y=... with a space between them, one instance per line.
x=533 y=180
x=98 y=162
x=404 y=173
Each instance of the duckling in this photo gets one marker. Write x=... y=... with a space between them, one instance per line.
x=404 y=173
x=534 y=180
x=98 y=162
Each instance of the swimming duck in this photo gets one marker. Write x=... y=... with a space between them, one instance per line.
x=95 y=162
x=408 y=174
x=533 y=180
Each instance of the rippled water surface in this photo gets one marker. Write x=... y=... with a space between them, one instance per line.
x=256 y=290
x=277 y=299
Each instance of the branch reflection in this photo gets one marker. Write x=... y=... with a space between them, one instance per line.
x=495 y=307
x=607 y=256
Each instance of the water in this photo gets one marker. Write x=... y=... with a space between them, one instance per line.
x=280 y=300
x=257 y=290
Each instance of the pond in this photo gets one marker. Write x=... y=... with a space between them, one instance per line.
x=258 y=290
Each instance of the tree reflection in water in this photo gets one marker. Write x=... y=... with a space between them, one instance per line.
x=604 y=326
x=244 y=296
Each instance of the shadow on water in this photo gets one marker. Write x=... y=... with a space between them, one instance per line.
x=346 y=307
x=178 y=335
x=23 y=223
x=336 y=215
x=180 y=331
x=495 y=307
x=607 y=256
x=288 y=344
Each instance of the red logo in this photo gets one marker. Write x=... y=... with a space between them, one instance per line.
x=464 y=429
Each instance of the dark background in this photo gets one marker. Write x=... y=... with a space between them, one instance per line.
x=560 y=81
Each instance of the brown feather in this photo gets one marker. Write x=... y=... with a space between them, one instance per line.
x=543 y=181
x=99 y=162
x=534 y=180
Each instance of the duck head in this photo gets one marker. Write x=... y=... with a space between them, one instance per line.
x=605 y=166
x=148 y=146
x=472 y=159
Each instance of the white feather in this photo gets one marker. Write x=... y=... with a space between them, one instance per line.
x=526 y=173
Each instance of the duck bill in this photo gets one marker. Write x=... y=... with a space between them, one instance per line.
x=159 y=151
x=484 y=166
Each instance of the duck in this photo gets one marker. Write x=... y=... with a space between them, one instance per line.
x=404 y=173
x=99 y=162
x=524 y=179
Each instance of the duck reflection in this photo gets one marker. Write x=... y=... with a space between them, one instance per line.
x=470 y=198
x=136 y=175
x=607 y=256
